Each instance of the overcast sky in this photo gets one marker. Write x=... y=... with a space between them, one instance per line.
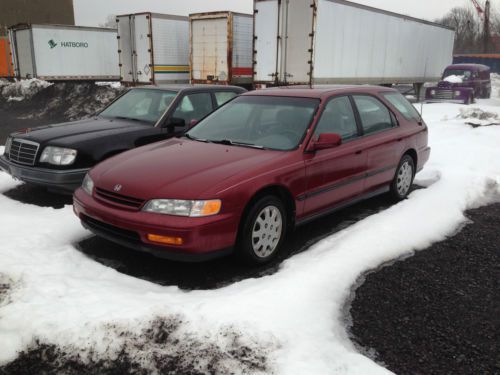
x=94 y=12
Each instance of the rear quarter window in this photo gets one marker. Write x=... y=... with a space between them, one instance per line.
x=403 y=106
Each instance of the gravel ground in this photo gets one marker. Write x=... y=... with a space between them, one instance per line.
x=437 y=312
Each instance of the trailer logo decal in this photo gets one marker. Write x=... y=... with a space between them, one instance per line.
x=53 y=44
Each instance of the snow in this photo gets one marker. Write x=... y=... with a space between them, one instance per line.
x=20 y=90
x=454 y=79
x=296 y=318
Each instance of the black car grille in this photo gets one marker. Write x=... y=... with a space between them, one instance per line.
x=109 y=229
x=118 y=199
x=22 y=151
x=444 y=94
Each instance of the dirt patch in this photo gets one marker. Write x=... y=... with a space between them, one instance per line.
x=163 y=347
x=436 y=312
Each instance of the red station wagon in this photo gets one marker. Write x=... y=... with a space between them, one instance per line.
x=262 y=164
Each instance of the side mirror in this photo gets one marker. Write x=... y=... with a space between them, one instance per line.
x=325 y=141
x=175 y=123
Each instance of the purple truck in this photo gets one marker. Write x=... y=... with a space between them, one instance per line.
x=461 y=83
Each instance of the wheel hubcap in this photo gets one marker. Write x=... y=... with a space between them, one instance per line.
x=266 y=232
x=405 y=175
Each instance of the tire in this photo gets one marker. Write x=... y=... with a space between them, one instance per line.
x=263 y=232
x=403 y=179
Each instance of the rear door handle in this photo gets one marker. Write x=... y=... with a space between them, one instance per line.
x=359 y=152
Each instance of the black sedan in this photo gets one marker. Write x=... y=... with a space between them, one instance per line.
x=58 y=156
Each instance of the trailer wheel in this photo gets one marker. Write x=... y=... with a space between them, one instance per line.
x=469 y=100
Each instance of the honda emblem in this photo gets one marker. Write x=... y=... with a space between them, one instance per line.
x=117 y=187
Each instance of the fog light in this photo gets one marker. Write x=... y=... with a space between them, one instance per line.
x=165 y=239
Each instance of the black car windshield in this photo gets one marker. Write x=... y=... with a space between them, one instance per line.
x=465 y=74
x=271 y=122
x=144 y=105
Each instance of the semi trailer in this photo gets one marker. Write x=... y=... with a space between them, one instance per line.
x=6 y=67
x=64 y=53
x=221 y=48
x=336 y=42
x=153 y=48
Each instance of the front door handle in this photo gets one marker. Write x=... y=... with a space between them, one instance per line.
x=359 y=152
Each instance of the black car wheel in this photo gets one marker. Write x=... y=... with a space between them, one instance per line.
x=403 y=179
x=264 y=231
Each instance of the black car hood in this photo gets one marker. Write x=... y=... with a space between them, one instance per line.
x=76 y=131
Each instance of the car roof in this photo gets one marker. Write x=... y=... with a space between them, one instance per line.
x=468 y=66
x=192 y=88
x=318 y=91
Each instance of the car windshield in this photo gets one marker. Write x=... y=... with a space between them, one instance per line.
x=271 y=122
x=464 y=74
x=143 y=105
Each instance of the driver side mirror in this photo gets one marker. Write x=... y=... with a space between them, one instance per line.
x=325 y=141
x=175 y=124
x=192 y=123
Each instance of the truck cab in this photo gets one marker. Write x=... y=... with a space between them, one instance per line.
x=461 y=83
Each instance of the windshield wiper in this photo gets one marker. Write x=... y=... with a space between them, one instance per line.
x=194 y=138
x=235 y=143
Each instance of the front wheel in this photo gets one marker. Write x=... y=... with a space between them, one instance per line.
x=264 y=231
x=401 y=184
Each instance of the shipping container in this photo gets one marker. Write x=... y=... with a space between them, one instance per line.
x=65 y=53
x=337 y=41
x=153 y=48
x=6 y=67
x=221 y=48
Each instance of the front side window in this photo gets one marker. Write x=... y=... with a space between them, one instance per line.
x=222 y=97
x=338 y=117
x=277 y=123
x=374 y=114
x=140 y=105
x=402 y=105
x=193 y=107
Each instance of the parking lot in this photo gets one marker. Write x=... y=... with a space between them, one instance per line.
x=73 y=302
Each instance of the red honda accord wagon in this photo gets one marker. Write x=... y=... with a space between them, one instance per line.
x=251 y=171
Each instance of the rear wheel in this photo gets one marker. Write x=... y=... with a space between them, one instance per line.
x=401 y=184
x=264 y=231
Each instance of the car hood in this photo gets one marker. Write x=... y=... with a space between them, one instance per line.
x=180 y=169
x=70 y=133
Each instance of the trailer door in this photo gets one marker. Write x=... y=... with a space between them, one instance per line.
x=143 y=48
x=209 y=49
x=24 y=56
x=125 y=48
x=299 y=36
x=267 y=40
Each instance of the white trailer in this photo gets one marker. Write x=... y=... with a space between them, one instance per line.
x=153 y=48
x=337 y=42
x=64 y=53
x=221 y=48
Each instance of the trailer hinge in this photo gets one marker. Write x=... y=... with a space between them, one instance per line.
x=149 y=35
x=311 y=34
x=119 y=51
x=255 y=37
x=149 y=50
x=118 y=37
x=309 y=50
x=255 y=11
x=120 y=65
x=309 y=62
x=313 y=5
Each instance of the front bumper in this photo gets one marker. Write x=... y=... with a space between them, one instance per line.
x=203 y=238
x=64 y=181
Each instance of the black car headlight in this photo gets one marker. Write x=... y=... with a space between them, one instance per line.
x=58 y=155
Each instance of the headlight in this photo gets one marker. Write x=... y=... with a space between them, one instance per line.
x=88 y=184
x=179 y=207
x=58 y=155
x=433 y=92
x=457 y=93
x=7 y=146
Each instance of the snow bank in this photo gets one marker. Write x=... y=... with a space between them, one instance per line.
x=454 y=79
x=293 y=321
x=479 y=117
x=22 y=89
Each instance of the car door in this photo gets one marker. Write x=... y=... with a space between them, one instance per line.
x=335 y=175
x=382 y=138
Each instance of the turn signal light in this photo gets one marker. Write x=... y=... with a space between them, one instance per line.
x=168 y=240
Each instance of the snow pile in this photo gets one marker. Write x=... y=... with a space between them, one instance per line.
x=114 y=85
x=454 y=79
x=23 y=89
x=479 y=117
x=290 y=322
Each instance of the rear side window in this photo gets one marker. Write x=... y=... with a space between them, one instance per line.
x=374 y=114
x=402 y=105
x=193 y=107
x=338 y=117
x=223 y=96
